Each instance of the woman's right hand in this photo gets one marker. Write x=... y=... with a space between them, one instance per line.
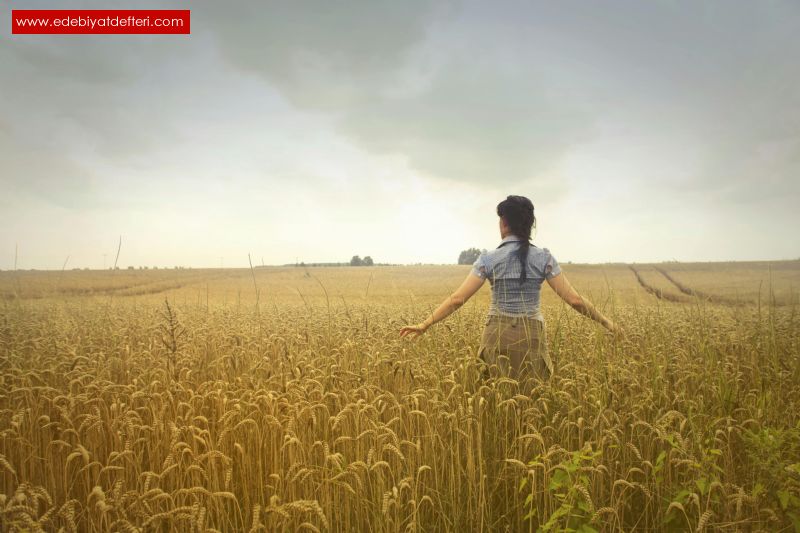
x=416 y=330
x=614 y=329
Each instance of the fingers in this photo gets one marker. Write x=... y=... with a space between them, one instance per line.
x=413 y=331
x=616 y=333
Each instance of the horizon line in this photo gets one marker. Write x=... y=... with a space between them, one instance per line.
x=345 y=264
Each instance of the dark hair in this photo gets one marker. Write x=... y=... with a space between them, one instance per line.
x=517 y=212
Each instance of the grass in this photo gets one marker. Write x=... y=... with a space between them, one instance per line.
x=271 y=400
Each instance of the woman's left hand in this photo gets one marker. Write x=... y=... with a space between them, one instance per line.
x=415 y=330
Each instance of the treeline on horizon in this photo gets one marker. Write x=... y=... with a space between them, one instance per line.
x=355 y=261
x=341 y=264
x=466 y=257
x=368 y=261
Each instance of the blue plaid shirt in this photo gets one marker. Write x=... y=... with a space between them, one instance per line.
x=510 y=295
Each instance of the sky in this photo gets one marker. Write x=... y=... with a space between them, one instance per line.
x=318 y=130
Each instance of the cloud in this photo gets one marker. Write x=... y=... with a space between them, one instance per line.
x=61 y=93
x=500 y=93
x=31 y=171
x=715 y=84
x=321 y=55
x=99 y=121
x=387 y=84
x=473 y=123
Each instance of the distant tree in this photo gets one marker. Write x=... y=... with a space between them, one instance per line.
x=356 y=261
x=368 y=261
x=467 y=257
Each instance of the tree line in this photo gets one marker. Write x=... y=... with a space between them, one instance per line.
x=356 y=261
x=468 y=256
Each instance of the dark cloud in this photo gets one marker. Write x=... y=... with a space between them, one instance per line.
x=720 y=79
x=321 y=54
x=375 y=67
x=475 y=123
x=31 y=172
x=81 y=113
x=463 y=90
x=501 y=91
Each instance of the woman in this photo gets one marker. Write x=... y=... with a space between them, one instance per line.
x=513 y=342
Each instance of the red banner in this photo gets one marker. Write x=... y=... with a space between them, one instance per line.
x=100 y=21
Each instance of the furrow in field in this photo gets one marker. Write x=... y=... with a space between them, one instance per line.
x=655 y=291
x=698 y=294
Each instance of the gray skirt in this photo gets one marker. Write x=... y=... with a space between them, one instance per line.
x=515 y=347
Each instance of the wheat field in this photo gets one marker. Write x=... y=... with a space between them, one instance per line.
x=283 y=399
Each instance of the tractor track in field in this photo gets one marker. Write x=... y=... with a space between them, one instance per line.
x=658 y=293
x=133 y=289
x=713 y=298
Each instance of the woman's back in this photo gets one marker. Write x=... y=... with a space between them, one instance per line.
x=511 y=295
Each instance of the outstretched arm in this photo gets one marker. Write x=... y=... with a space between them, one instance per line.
x=469 y=287
x=561 y=285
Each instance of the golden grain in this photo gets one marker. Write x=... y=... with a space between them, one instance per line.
x=311 y=414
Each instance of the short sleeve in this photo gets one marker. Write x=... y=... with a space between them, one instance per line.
x=481 y=266
x=551 y=266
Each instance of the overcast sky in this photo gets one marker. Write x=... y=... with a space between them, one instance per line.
x=313 y=131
